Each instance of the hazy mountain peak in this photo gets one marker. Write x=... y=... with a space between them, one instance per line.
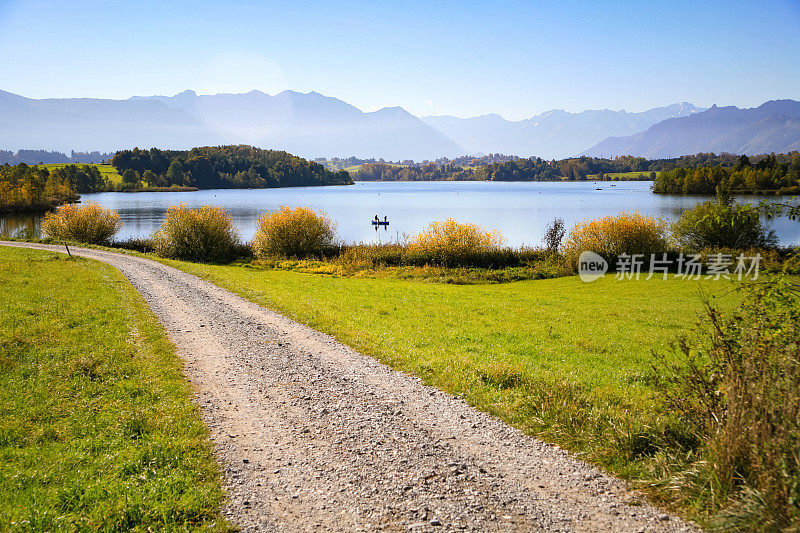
x=554 y=133
x=394 y=111
x=11 y=96
x=786 y=107
x=771 y=127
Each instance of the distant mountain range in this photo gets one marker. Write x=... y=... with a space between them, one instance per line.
x=771 y=127
x=308 y=125
x=553 y=134
x=89 y=124
x=313 y=125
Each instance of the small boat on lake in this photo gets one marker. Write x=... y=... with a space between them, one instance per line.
x=380 y=222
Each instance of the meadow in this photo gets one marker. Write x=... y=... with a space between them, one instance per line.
x=623 y=176
x=108 y=171
x=97 y=429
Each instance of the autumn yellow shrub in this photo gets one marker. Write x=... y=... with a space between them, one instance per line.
x=452 y=243
x=626 y=233
x=296 y=233
x=450 y=235
x=89 y=223
x=197 y=234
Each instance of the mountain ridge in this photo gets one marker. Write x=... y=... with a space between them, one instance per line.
x=552 y=134
x=314 y=125
x=774 y=126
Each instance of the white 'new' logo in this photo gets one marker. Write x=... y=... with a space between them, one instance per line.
x=591 y=266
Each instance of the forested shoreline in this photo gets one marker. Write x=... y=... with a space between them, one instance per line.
x=26 y=188
x=223 y=167
x=769 y=173
x=36 y=188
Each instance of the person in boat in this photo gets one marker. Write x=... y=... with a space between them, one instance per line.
x=377 y=219
x=385 y=219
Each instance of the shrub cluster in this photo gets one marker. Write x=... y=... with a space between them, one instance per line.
x=611 y=236
x=197 y=234
x=90 y=223
x=737 y=382
x=452 y=243
x=297 y=233
x=722 y=224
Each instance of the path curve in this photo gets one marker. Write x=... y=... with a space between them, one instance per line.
x=313 y=436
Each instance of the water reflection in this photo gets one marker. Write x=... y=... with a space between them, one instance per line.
x=20 y=226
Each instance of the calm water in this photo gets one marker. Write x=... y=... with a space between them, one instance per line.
x=519 y=210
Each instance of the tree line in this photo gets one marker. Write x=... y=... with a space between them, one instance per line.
x=337 y=163
x=768 y=174
x=32 y=157
x=760 y=173
x=212 y=167
x=505 y=168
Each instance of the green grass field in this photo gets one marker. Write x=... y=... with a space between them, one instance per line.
x=108 y=171
x=97 y=429
x=622 y=176
x=561 y=359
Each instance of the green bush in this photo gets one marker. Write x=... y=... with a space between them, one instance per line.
x=296 y=233
x=201 y=234
x=736 y=381
x=723 y=223
x=90 y=224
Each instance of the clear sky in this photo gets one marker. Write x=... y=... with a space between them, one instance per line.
x=463 y=58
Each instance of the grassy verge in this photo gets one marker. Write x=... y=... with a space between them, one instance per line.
x=567 y=361
x=97 y=430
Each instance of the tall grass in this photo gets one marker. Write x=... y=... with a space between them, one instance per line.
x=737 y=383
x=297 y=233
x=89 y=223
x=197 y=234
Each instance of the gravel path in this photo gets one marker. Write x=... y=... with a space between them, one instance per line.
x=315 y=437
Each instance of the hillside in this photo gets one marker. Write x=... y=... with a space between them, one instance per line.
x=772 y=127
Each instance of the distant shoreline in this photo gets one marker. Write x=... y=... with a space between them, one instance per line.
x=163 y=189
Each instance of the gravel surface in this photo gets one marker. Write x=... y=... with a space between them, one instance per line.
x=313 y=436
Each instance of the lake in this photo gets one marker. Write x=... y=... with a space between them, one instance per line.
x=520 y=210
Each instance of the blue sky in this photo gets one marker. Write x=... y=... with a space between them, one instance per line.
x=462 y=58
